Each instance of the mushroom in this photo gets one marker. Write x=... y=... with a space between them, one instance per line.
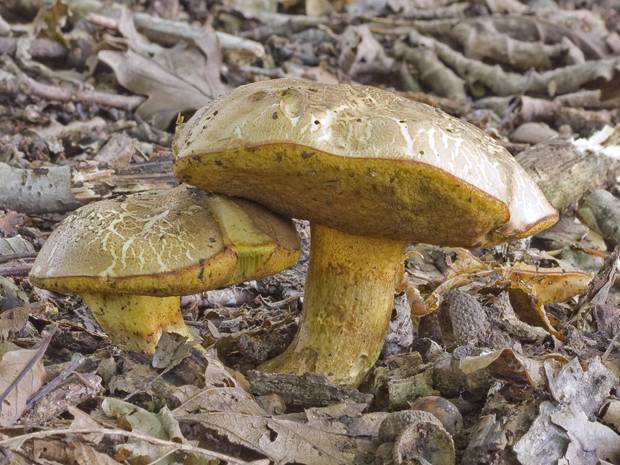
x=131 y=258
x=371 y=171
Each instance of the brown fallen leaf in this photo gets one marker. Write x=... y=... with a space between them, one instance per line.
x=75 y=452
x=181 y=78
x=507 y=365
x=12 y=365
x=10 y=222
x=547 y=284
x=223 y=399
x=282 y=441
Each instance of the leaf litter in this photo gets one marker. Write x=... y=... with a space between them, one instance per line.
x=520 y=340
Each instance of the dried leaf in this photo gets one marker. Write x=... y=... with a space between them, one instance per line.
x=11 y=366
x=216 y=374
x=598 y=289
x=171 y=349
x=15 y=245
x=223 y=399
x=572 y=385
x=362 y=53
x=133 y=418
x=611 y=414
x=587 y=436
x=281 y=440
x=74 y=452
x=506 y=365
x=184 y=77
x=548 y=284
x=578 y=394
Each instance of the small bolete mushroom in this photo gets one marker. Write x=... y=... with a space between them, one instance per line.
x=371 y=171
x=131 y=258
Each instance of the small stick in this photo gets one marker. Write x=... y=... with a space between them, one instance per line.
x=16 y=256
x=610 y=347
x=76 y=359
x=24 y=84
x=33 y=362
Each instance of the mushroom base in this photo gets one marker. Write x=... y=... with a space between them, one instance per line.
x=136 y=322
x=348 y=300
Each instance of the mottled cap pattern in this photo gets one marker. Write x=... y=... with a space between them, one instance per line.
x=163 y=242
x=361 y=160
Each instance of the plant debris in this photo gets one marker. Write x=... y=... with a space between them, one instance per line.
x=504 y=356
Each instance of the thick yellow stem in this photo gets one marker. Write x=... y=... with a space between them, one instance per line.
x=348 y=301
x=136 y=322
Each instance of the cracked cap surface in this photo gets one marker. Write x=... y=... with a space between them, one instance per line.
x=168 y=242
x=360 y=160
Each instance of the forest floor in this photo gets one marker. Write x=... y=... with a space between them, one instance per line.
x=514 y=349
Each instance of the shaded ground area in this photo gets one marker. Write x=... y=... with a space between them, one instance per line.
x=500 y=356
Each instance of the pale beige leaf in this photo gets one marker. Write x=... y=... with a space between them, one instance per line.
x=231 y=400
x=185 y=77
x=12 y=364
x=282 y=441
x=140 y=420
x=587 y=435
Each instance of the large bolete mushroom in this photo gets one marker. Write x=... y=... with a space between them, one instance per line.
x=132 y=258
x=371 y=171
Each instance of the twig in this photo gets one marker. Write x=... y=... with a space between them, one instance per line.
x=37 y=47
x=281 y=303
x=8 y=455
x=119 y=432
x=516 y=101
x=610 y=347
x=16 y=256
x=24 y=84
x=76 y=359
x=17 y=270
x=31 y=364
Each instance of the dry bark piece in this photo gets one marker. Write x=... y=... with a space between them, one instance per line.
x=322 y=148
x=70 y=393
x=60 y=189
x=405 y=378
x=307 y=390
x=583 y=122
x=563 y=168
x=131 y=258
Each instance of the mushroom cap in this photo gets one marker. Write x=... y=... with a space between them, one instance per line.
x=165 y=243
x=361 y=160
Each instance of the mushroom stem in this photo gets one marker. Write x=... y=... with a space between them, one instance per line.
x=349 y=294
x=136 y=322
